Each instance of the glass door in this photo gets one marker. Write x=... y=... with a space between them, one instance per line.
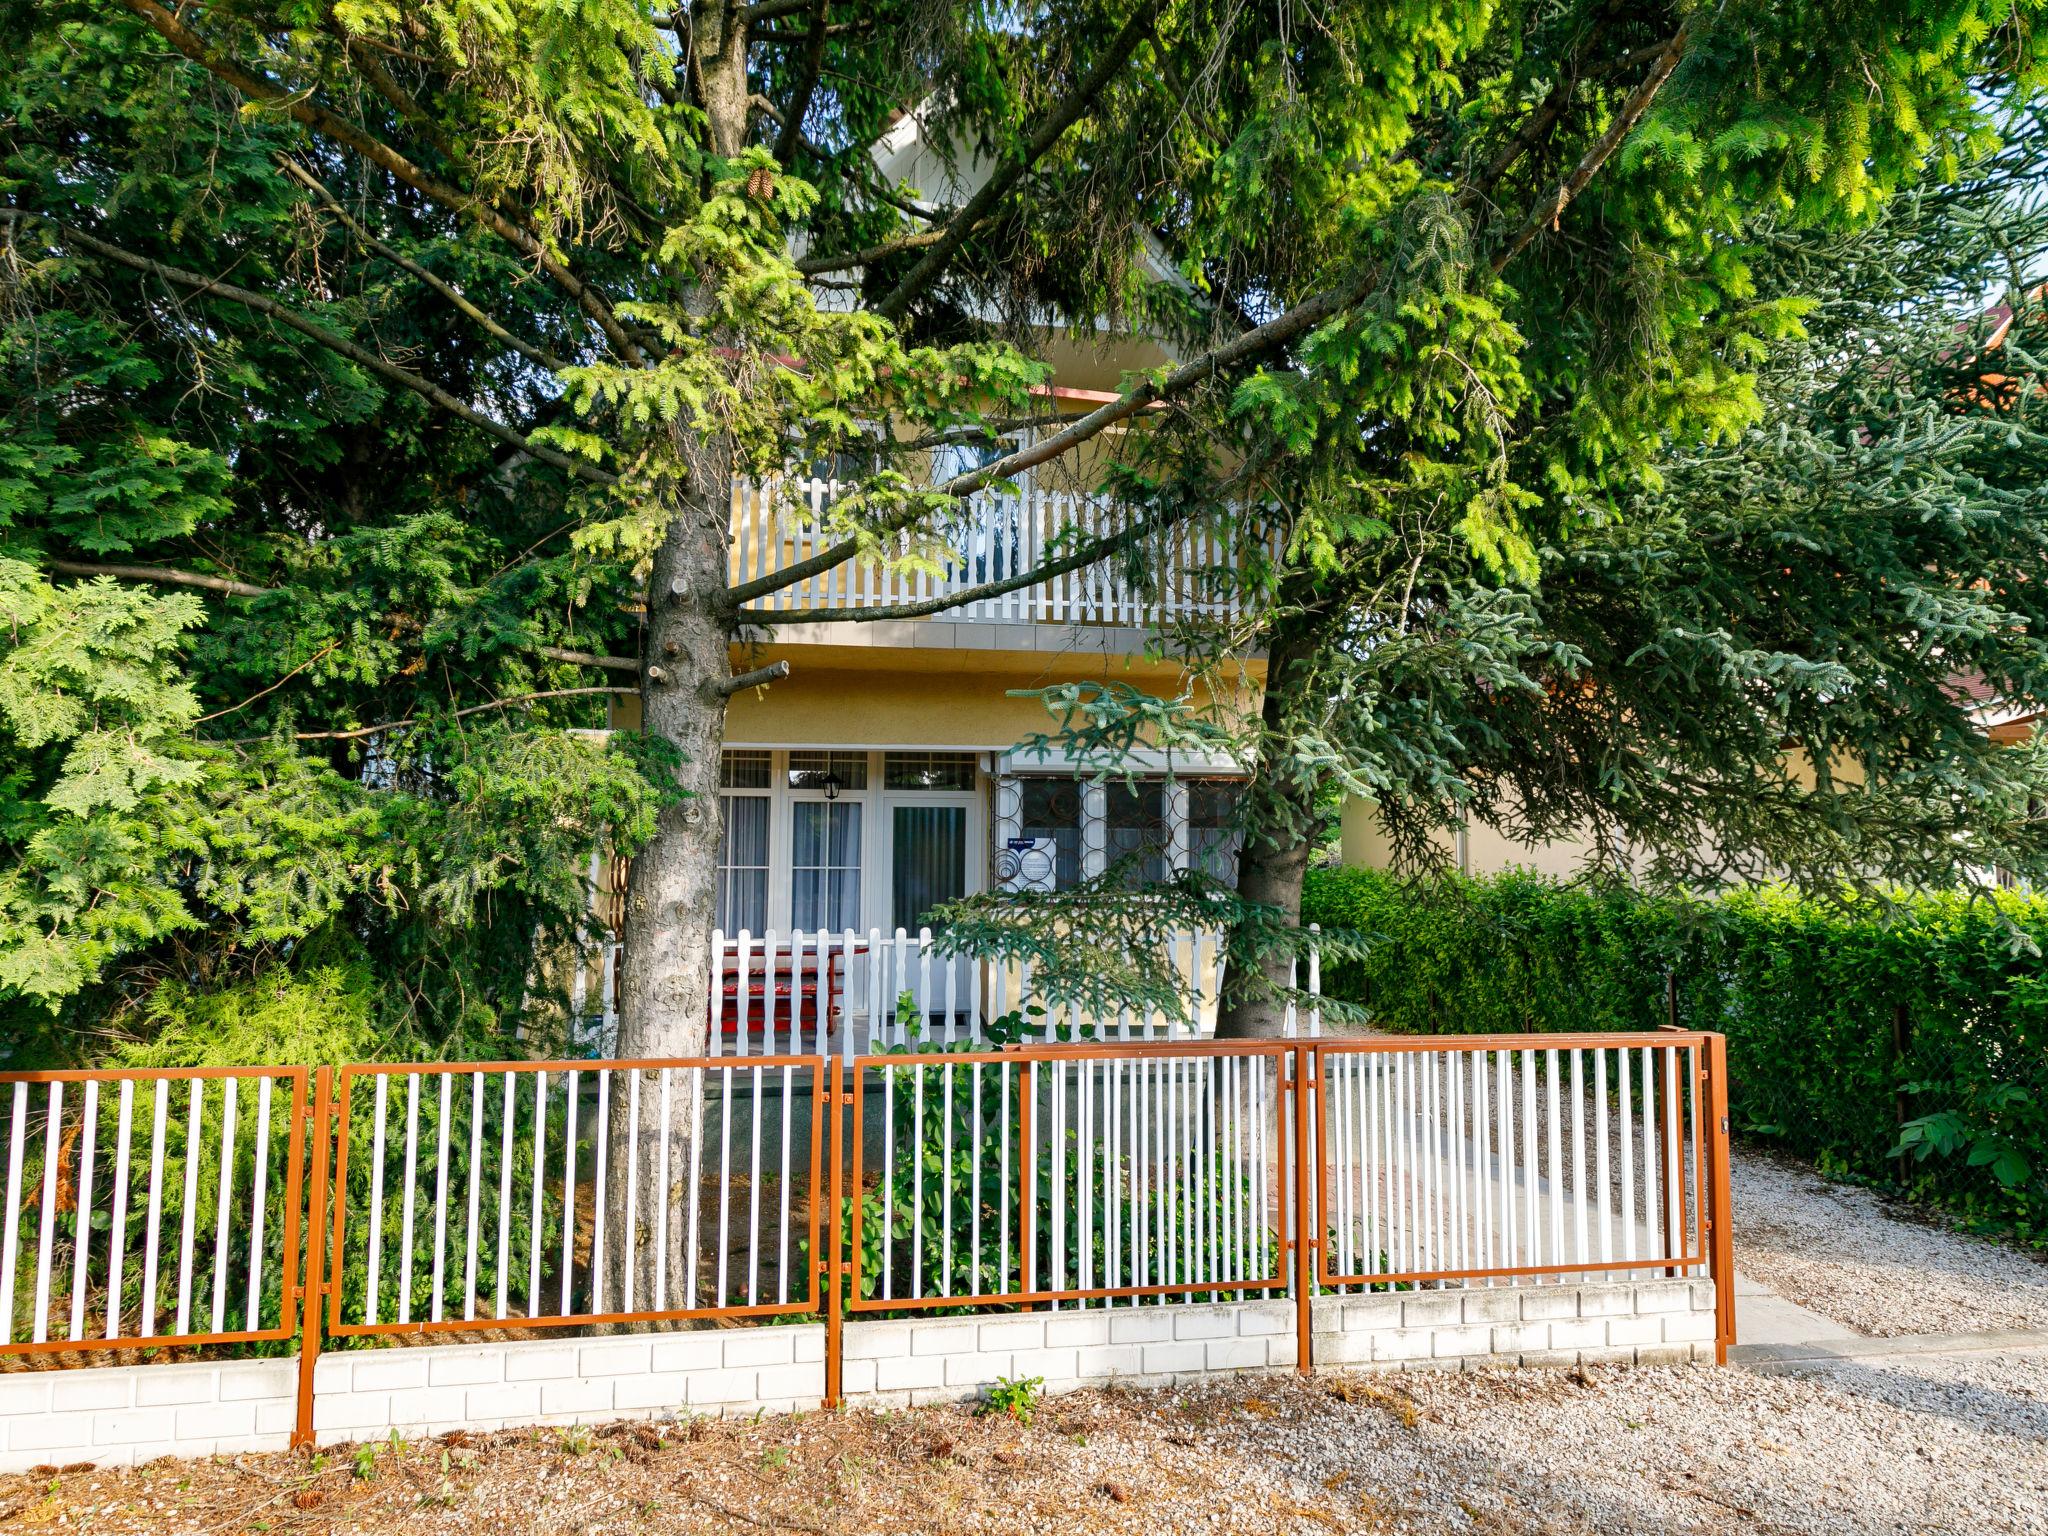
x=930 y=862
x=927 y=861
x=824 y=865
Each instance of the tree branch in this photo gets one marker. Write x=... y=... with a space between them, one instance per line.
x=759 y=677
x=165 y=576
x=447 y=290
x=1539 y=123
x=1100 y=549
x=399 y=725
x=816 y=266
x=1551 y=209
x=1256 y=342
x=162 y=576
x=302 y=109
x=998 y=186
x=265 y=305
x=588 y=658
x=791 y=136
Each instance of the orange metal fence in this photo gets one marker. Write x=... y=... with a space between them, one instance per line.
x=173 y=1207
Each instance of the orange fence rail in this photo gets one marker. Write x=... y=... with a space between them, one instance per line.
x=146 y=1209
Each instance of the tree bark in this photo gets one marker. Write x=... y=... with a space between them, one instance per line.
x=664 y=978
x=1275 y=851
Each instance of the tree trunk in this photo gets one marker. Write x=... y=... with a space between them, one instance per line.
x=664 y=978
x=1275 y=851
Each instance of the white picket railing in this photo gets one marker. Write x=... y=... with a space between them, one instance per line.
x=1108 y=1174
x=845 y=993
x=146 y=1208
x=997 y=536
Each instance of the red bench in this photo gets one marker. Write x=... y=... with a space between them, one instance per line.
x=781 y=990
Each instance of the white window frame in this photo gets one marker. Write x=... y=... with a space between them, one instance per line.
x=877 y=824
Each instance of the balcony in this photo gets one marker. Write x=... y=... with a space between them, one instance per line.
x=997 y=537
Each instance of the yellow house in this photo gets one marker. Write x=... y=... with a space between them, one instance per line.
x=880 y=777
x=1476 y=848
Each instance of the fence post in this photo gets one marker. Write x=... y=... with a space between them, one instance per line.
x=1027 y=1205
x=1306 y=1236
x=835 y=1304
x=312 y=1280
x=1720 y=1199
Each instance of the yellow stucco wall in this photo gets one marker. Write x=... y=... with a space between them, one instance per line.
x=912 y=697
x=1481 y=850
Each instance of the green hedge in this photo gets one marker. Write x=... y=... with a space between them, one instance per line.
x=1808 y=995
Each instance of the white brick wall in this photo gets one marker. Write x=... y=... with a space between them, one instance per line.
x=365 y=1395
x=1651 y=1322
x=954 y=1358
x=124 y=1414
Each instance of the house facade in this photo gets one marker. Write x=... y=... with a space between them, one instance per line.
x=885 y=773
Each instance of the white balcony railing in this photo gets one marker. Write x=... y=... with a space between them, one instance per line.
x=996 y=537
x=853 y=992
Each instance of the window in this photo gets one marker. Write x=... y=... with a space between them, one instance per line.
x=742 y=892
x=1212 y=827
x=743 y=865
x=811 y=770
x=1135 y=828
x=986 y=530
x=1051 y=808
x=928 y=861
x=825 y=863
x=745 y=770
x=928 y=770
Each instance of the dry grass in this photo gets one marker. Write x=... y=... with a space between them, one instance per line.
x=1531 y=1453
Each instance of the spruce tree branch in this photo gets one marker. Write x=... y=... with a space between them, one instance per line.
x=162 y=576
x=786 y=142
x=262 y=693
x=298 y=106
x=588 y=658
x=166 y=576
x=1537 y=127
x=1005 y=179
x=1098 y=549
x=399 y=725
x=263 y=304
x=447 y=290
x=395 y=95
x=1552 y=208
x=769 y=10
x=1254 y=343
x=817 y=266
x=760 y=677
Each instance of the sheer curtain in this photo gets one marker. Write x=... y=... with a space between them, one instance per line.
x=825 y=864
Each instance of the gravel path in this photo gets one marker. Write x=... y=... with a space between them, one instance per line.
x=1877 y=1267
x=1929 y=1448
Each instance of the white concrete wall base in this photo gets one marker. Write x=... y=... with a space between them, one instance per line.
x=122 y=1415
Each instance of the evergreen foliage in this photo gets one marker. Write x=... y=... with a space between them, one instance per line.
x=1815 y=999
x=372 y=377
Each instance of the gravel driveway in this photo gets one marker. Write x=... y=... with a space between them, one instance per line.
x=1613 y=1452
x=1873 y=1265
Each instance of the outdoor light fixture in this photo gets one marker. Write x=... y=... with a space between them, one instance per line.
x=831 y=786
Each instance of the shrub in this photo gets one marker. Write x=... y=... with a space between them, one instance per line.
x=1909 y=1048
